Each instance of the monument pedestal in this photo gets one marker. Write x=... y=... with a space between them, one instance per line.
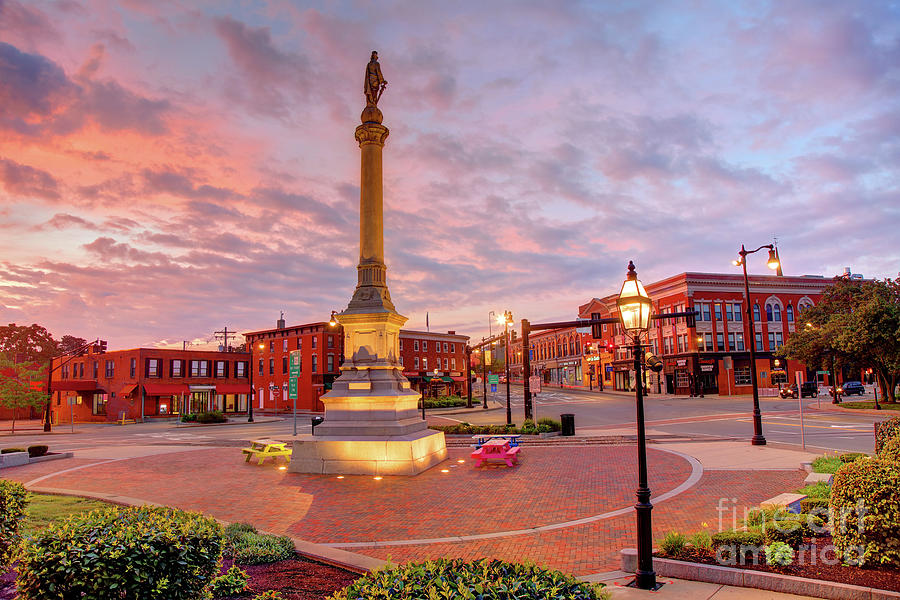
x=408 y=454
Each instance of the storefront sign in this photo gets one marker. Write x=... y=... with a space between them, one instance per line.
x=681 y=362
x=707 y=368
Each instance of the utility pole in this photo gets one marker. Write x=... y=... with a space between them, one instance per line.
x=224 y=335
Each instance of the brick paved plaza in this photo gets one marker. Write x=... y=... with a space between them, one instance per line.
x=487 y=511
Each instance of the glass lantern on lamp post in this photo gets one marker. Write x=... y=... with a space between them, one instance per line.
x=635 y=312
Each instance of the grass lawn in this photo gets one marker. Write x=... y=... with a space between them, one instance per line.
x=816 y=490
x=44 y=509
x=826 y=464
x=867 y=404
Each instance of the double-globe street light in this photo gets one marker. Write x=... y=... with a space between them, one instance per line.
x=772 y=262
x=635 y=311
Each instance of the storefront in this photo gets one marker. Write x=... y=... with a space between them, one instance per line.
x=679 y=374
x=708 y=376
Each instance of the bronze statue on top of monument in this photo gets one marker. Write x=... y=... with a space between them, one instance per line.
x=375 y=82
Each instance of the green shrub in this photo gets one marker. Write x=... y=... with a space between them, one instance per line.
x=849 y=457
x=732 y=547
x=232 y=583
x=890 y=449
x=819 y=489
x=454 y=579
x=820 y=505
x=142 y=553
x=884 y=431
x=13 y=500
x=826 y=464
x=553 y=424
x=866 y=511
x=189 y=418
x=11 y=450
x=758 y=517
x=269 y=595
x=235 y=529
x=702 y=541
x=445 y=402
x=778 y=553
x=213 y=416
x=37 y=450
x=788 y=531
x=250 y=548
x=673 y=544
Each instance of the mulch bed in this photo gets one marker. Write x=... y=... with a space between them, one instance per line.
x=880 y=577
x=296 y=579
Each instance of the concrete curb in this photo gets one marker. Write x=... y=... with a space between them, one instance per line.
x=466 y=411
x=772 y=582
x=351 y=561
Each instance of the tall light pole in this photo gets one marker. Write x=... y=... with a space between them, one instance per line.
x=757 y=439
x=252 y=396
x=483 y=376
x=506 y=319
x=635 y=310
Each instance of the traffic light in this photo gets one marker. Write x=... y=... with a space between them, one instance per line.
x=596 y=329
x=102 y=346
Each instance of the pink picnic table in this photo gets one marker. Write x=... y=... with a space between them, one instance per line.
x=496 y=449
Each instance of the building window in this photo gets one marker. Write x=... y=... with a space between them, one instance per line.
x=315 y=362
x=718 y=308
x=271 y=366
x=260 y=368
x=742 y=375
x=452 y=364
x=221 y=368
x=110 y=369
x=198 y=368
x=64 y=371
x=789 y=313
x=707 y=342
x=759 y=345
x=720 y=342
x=756 y=313
x=271 y=345
x=401 y=344
x=425 y=363
x=154 y=367
x=732 y=342
x=729 y=314
x=779 y=341
x=446 y=364
x=416 y=345
x=417 y=363
x=330 y=363
x=284 y=364
x=424 y=345
x=446 y=346
x=703 y=309
x=331 y=341
x=452 y=348
x=98 y=404
x=737 y=312
x=314 y=341
x=133 y=367
x=96 y=369
x=740 y=342
x=299 y=343
x=240 y=369
x=284 y=343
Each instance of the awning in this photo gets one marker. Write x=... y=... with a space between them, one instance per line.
x=165 y=389
x=410 y=373
x=126 y=391
x=76 y=385
x=232 y=388
x=447 y=379
x=459 y=379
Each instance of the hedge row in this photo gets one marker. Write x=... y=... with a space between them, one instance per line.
x=13 y=500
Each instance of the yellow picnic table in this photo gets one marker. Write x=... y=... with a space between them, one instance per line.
x=266 y=448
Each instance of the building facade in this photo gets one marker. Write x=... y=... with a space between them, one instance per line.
x=435 y=363
x=147 y=383
x=321 y=351
x=558 y=356
x=712 y=356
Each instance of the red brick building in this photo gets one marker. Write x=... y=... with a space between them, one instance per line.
x=557 y=355
x=321 y=350
x=434 y=363
x=713 y=356
x=103 y=386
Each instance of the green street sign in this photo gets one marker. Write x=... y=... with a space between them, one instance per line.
x=493 y=378
x=294 y=374
x=821 y=372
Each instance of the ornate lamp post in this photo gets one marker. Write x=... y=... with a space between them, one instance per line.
x=635 y=310
x=757 y=439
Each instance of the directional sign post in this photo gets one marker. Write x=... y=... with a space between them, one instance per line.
x=294 y=374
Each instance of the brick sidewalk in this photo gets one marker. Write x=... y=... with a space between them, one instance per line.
x=551 y=485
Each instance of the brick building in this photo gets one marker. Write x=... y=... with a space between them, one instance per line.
x=557 y=355
x=434 y=363
x=321 y=350
x=712 y=356
x=103 y=386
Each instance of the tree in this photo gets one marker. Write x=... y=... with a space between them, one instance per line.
x=28 y=343
x=69 y=344
x=21 y=384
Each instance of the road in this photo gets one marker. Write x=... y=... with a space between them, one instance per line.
x=703 y=418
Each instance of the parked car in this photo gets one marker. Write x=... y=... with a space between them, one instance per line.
x=809 y=388
x=848 y=388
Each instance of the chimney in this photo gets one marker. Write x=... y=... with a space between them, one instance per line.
x=280 y=323
x=451 y=332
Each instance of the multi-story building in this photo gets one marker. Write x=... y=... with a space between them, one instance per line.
x=434 y=363
x=713 y=355
x=153 y=382
x=321 y=350
x=557 y=355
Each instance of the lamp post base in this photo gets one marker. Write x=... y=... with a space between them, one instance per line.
x=645 y=581
x=758 y=440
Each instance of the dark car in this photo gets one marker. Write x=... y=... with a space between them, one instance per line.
x=809 y=388
x=849 y=388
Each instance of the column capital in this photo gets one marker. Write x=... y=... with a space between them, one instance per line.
x=371 y=133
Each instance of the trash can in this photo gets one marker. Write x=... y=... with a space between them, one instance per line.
x=568 y=424
x=316 y=421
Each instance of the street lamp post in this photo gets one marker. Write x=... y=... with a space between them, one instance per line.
x=635 y=311
x=483 y=376
x=468 y=376
x=506 y=319
x=757 y=439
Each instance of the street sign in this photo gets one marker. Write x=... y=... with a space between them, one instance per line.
x=493 y=379
x=726 y=362
x=294 y=374
x=534 y=384
x=493 y=387
x=821 y=372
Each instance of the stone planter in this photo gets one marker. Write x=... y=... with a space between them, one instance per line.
x=13 y=459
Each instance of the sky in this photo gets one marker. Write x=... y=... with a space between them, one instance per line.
x=171 y=168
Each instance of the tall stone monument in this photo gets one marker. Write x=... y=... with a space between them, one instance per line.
x=372 y=425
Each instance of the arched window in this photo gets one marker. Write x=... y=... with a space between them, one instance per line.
x=756 y=312
x=776 y=311
x=571 y=346
x=769 y=312
x=577 y=346
x=789 y=313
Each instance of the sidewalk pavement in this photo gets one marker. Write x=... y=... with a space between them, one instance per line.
x=681 y=589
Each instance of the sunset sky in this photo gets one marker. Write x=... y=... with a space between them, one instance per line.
x=170 y=168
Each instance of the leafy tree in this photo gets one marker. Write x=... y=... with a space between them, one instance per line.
x=70 y=343
x=16 y=389
x=30 y=343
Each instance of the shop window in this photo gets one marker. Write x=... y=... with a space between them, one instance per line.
x=681 y=379
x=98 y=404
x=742 y=375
